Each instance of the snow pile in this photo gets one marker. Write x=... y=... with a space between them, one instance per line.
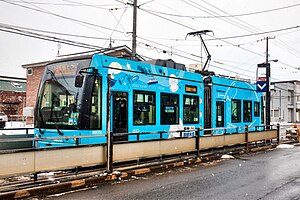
x=285 y=146
x=227 y=157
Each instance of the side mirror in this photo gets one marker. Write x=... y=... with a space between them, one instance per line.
x=79 y=81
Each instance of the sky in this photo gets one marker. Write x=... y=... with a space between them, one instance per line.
x=237 y=41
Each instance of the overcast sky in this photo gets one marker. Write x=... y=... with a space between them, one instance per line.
x=162 y=27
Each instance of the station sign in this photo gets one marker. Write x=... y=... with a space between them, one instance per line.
x=261 y=86
x=261 y=78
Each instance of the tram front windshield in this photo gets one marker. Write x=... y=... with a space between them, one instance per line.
x=59 y=101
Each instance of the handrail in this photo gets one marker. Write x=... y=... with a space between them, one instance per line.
x=121 y=134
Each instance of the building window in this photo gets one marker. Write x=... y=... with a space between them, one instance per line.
x=235 y=111
x=29 y=71
x=247 y=111
x=144 y=108
x=169 y=108
x=272 y=113
x=290 y=97
x=276 y=113
x=256 y=109
x=190 y=109
x=220 y=114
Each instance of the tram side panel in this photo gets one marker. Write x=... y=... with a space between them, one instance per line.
x=234 y=104
x=158 y=99
x=144 y=98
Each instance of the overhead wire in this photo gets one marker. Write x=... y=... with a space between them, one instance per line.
x=49 y=38
x=118 y=22
x=226 y=16
x=60 y=4
x=64 y=17
x=59 y=33
x=182 y=24
x=278 y=43
x=250 y=26
x=196 y=60
x=261 y=55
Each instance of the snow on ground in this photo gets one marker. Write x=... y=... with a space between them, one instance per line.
x=285 y=146
x=16 y=125
x=227 y=157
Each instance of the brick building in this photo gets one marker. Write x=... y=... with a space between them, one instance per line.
x=36 y=70
x=34 y=74
x=12 y=96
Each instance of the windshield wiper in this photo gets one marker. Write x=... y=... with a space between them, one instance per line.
x=53 y=77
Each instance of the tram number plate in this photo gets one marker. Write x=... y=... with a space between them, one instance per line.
x=188 y=134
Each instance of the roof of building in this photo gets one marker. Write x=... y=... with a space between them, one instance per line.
x=290 y=81
x=120 y=51
x=12 y=84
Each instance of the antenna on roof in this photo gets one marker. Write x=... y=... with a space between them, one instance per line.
x=199 y=34
x=58 y=48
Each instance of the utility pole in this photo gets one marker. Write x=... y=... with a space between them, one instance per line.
x=134 y=29
x=268 y=75
x=268 y=95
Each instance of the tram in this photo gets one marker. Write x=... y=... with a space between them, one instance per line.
x=80 y=96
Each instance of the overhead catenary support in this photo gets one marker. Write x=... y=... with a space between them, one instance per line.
x=134 y=29
x=268 y=75
x=199 y=34
x=268 y=95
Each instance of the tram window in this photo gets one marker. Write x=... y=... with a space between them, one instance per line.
x=190 y=109
x=144 y=108
x=256 y=109
x=95 y=113
x=235 y=111
x=169 y=108
x=247 y=111
x=220 y=114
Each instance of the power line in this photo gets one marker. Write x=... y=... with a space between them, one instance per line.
x=279 y=44
x=224 y=16
x=214 y=38
x=240 y=36
x=58 y=33
x=118 y=22
x=196 y=60
x=61 y=16
x=213 y=13
x=188 y=27
x=255 y=34
x=63 y=4
x=49 y=38
x=251 y=26
x=92 y=5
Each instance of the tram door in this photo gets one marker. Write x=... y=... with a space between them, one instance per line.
x=120 y=116
x=207 y=109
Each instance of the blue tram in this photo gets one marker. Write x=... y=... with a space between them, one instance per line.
x=144 y=97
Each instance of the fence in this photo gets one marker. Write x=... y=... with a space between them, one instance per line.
x=39 y=160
